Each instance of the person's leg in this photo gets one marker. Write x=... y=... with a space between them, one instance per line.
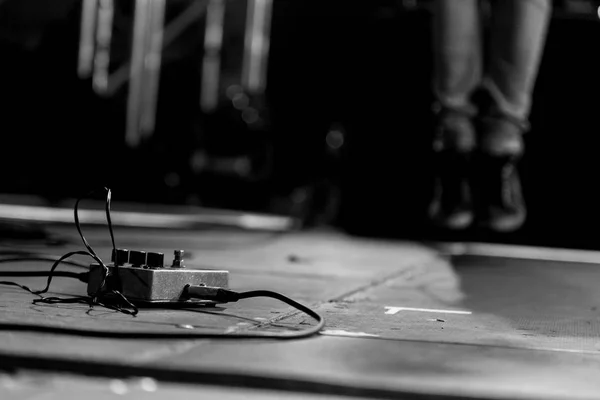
x=518 y=33
x=457 y=73
x=457 y=48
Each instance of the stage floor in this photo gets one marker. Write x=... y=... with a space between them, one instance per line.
x=403 y=320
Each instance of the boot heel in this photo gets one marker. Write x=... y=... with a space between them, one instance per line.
x=499 y=194
x=451 y=207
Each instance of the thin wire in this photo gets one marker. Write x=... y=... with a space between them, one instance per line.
x=50 y=273
x=57 y=262
x=92 y=300
x=8 y=283
x=57 y=300
x=133 y=309
x=78 y=225
x=82 y=300
x=109 y=222
x=91 y=251
x=95 y=298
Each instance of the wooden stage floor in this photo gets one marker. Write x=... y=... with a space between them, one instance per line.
x=404 y=320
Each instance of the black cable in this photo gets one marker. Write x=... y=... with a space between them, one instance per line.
x=211 y=293
x=53 y=268
x=287 y=335
x=78 y=225
x=50 y=275
x=27 y=256
x=301 y=307
x=109 y=222
x=133 y=309
x=91 y=301
x=202 y=292
x=92 y=253
x=229 y=296
x=82 y=276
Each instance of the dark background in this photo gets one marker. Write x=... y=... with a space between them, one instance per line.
x=364 y=68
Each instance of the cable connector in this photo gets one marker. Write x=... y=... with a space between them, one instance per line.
x=213 y=293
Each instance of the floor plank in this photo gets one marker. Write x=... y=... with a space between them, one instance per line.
x=478 y=326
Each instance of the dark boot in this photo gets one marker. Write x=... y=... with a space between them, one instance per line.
x=501 y=206
x=454 y=141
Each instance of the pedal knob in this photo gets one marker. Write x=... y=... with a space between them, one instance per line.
x=137 y=258
x=178 y=259
x=155 y=260
x=122 y=256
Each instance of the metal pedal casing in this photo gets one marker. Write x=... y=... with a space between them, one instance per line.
x=156 y=285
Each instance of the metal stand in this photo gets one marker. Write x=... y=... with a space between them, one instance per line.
x=150 y=36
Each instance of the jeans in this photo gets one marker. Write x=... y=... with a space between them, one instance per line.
x=517 y=36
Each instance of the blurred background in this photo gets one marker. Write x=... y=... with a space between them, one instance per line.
x=320 y=110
